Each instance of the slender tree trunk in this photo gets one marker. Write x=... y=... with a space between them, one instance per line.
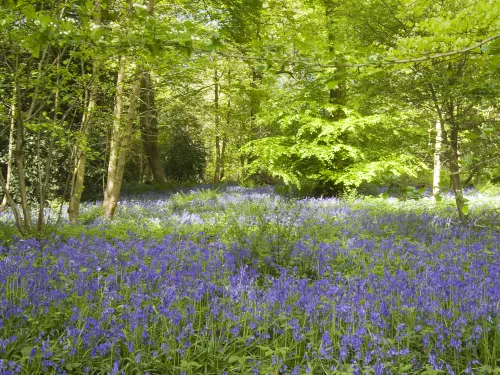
x=78 y=178
x=217 y=129
x=114 y=147
x=119 y=150
x=10 y=153
x=149 y=129
x=222 y=157
x=452 y=153
x=81 y=153
x=12 y=204
x=217 y=159
x=141 y=167
x=437 y=159
x=44 y=177
x=256 y=133
x=20 y=162
x=149 y=121
x=228 y=126
x=455 y=169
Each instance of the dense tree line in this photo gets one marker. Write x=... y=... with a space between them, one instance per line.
x=325 y=95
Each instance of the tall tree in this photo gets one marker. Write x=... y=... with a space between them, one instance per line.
x=10 y=153
x=149 y=121
x=120 y=139
x=90 y=104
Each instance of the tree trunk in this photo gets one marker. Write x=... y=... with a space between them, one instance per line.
x=44 y=177
x=455 y=171
x=10 y=154
x=114 y=147
x=77 y=181
x=337 y=94
x=228 y=127
x=12 y=204
x=81 y=154
x=120 y=144
x=149 y=121
x=222 y=156
x=20 y=162
x=217 y=159
x=437 y=159
x=141 y=167
x=256 y=133
x=149 y=128
x=217 y=129
x=452 y=153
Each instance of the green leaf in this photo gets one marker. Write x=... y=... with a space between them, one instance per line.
x=465 y=209
x=73 y=366
x=332 y=84
x=189 y=365
x=44 y=20
x=405 y=368
x=26 y=351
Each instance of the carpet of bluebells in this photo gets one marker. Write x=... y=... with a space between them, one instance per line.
x=238 y=281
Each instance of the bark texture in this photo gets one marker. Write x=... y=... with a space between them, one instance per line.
x=217 y=176
x=10 y=155
x=452 y=152
x=455 y=170
x=437 y=159
x=78 y=178
x=149 y=129
x=115 y=145
x=20 y=163
x=12 y=204
x=118 y=157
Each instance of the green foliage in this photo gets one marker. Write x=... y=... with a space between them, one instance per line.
x=185 y=154
x=348 y=152
x=308 y=92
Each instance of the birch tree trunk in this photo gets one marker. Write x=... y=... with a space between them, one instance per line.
x=120 y=144
x=437 y=159
x=455 y=169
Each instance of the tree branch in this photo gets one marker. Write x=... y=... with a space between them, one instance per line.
x=377 y=63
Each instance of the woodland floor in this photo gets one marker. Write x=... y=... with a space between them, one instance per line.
x=245 y=281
